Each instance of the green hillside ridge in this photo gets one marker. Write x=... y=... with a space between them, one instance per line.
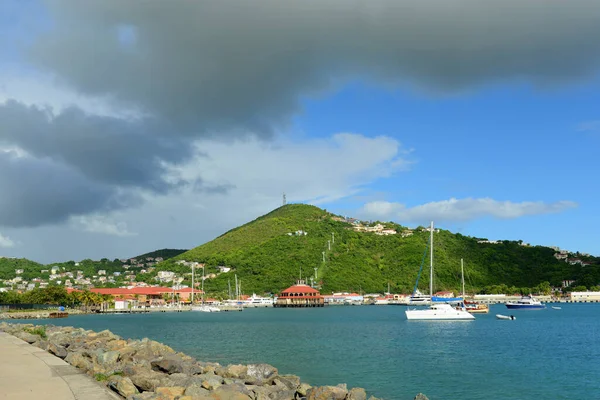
x=267 y=259
x=32 y=269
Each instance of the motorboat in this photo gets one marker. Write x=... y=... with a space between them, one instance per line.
x=526 y=302
x=556 y=308
x=507 y=317
x=477 y=308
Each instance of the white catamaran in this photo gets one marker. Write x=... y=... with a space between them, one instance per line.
x=437 y=311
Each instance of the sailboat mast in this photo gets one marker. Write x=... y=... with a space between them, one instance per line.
x=431 y=263
x=192 y=284
x=202 y=285
x=462 y=274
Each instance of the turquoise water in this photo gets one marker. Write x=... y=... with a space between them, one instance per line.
x=544 y=354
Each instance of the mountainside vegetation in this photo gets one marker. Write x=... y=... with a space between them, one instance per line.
x=272 y=252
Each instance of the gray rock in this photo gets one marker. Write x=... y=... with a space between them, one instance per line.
x=260 y=374
x=357 y=394
x=421 y=396
x=170 y=364
x=288 y=381
x=108 y=359
x=232 y=392
x=80 y=360
x=327 y=393
x=303 y=389
x=28 y=337
x=122 y=385
x=143 y=396
x=57 y=350
x=212 y=382
x=283 y=395
x=195 y=390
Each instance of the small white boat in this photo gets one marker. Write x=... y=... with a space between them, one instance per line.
x=509 y=317
x=556 y=308
x=206 y=308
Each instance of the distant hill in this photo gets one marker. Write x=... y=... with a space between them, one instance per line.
x=267 y=255
x=31 y=269
x=164 y=253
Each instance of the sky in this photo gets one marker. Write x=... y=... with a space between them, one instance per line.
x=127 y=127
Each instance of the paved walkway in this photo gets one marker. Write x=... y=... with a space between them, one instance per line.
x=28 y=373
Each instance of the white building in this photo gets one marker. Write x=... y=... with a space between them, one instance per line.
x=585 y=296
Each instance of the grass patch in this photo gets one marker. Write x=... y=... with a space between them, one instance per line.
x=38 y=330
x=103 y=377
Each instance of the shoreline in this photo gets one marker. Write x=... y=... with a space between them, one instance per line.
x=145 y=369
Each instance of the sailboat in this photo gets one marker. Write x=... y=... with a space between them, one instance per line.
x=437 y=311
x=472 y=306
x=204 y=307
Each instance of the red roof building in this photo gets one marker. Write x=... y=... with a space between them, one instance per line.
x=300 y=295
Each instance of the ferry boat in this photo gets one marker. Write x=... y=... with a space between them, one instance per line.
x=526 y=302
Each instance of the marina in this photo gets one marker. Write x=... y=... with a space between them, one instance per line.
x=371 y=347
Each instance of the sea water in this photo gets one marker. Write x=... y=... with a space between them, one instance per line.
x=543 y=354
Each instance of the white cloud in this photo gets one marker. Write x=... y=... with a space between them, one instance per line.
x=100 y=224
x=461 y=210
x=589 y=126
x=316 y=171
x=6 y=242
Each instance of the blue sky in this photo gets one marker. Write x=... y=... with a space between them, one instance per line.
x=481 y=117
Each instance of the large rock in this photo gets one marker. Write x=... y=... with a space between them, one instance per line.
x=232 y=392
x=260 y=374
x=303 y=389
x=170 y=364
x=122 y=385
x=149 y=350
x=143 y=378
x=195 y=390
x=170 y=393
x=283 y=395
x=80 y=360
x=211 y=382
x=56 y=349
x=28 y=337
x=291 y=382
x=327 y=393
x=421 y=396
x=357 y=394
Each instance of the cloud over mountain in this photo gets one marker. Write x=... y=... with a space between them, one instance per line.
x=198 y=70
x=461 y=210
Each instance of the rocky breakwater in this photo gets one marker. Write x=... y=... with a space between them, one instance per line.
x=145 y=369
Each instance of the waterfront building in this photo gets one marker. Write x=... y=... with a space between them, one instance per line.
x=585 y=296
x=299 y=295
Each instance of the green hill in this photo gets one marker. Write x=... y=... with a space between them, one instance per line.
x=164 y=253
x=267 y=258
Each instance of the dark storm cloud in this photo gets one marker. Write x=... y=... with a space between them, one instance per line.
x=36 y=192
x=103 y=149
x=234 y=66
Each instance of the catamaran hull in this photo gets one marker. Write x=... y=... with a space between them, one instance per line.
x=429 y=315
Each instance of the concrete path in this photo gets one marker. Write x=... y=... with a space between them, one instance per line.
x=28 y=373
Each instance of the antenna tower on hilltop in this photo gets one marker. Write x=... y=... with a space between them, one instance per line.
x=284 y=199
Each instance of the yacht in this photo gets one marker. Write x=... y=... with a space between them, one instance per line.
x=255 y=301
x=526 y=302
